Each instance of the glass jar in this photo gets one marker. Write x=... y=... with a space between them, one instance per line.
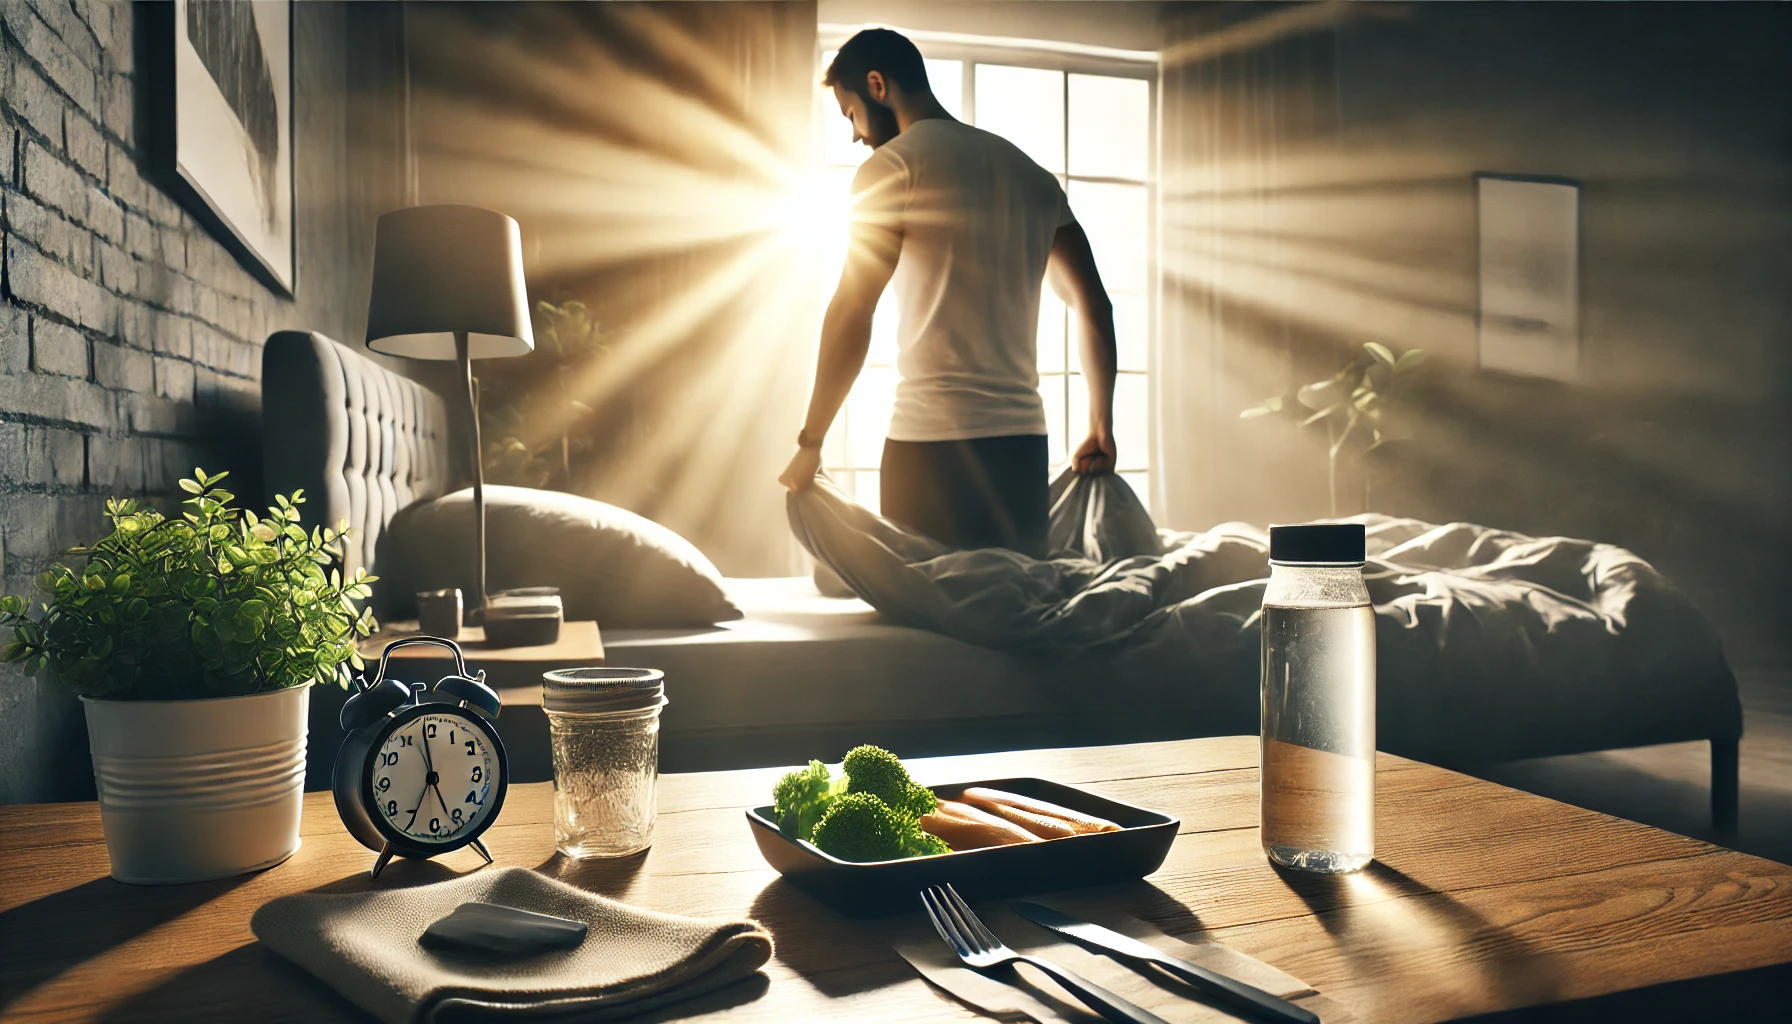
x=1318 y=745
x=604 y=724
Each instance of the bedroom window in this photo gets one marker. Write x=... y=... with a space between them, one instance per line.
x=1093 y=130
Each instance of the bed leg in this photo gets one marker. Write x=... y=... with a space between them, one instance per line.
x=1725 y=784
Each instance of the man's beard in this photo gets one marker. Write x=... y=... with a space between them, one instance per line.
x=881 y=122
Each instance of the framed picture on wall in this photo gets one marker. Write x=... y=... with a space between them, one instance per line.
x=232 y=126
x=1529 y=275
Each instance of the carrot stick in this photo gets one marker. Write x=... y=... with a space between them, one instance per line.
x=995 y=801
x=967 y=828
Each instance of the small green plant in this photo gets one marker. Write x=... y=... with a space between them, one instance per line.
x=536 y=432
x=215 y=602
x=1360 y=406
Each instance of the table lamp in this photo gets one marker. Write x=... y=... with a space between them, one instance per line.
x=448 y=284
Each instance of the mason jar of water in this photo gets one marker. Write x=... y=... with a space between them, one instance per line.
x=1318 y=753
x=604 y=729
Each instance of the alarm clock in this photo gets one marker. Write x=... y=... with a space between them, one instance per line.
x=422 y=771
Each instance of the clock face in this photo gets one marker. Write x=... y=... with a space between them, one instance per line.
x=434 y=778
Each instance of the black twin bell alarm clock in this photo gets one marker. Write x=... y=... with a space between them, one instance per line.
x=422 y=771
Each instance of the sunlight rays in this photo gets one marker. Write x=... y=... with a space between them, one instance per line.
x=659 y=162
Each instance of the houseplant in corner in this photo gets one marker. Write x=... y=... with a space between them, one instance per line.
x=1362 y=406
x=193 y=641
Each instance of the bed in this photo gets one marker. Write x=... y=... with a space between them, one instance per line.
x=802 y=675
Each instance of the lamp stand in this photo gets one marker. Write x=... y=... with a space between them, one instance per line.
x=475 y=608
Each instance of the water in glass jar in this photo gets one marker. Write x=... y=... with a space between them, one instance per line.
x=605 y=783
x=1319 y=737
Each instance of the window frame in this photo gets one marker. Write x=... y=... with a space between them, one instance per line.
x=1067 y=59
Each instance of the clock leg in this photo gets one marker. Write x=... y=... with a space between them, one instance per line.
x=384 y=857
x=483 y=852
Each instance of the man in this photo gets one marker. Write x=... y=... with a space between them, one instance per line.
x=969 y=226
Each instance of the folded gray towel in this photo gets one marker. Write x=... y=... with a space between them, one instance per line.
x=365 y=946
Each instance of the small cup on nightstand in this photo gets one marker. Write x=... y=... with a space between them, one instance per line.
x=438 y=613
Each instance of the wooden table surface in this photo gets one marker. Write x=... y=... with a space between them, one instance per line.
x=1482 y=898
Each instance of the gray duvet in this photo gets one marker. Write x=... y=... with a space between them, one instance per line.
x=1491 y=645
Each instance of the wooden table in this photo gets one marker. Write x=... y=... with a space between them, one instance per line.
x=1484 y=898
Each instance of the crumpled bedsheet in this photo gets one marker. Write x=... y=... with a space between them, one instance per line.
x=1491 y=645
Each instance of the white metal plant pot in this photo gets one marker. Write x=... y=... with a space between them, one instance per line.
x=192 y=790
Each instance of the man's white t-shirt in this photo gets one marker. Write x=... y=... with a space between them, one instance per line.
x=977 y=218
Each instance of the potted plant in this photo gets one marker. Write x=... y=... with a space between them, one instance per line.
x=537 y=434
x=193 y=641
x=1362 y=407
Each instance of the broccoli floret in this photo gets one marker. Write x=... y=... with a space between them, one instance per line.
x=920 y=800
x=861 y=827
x=801 y=797
x=876 y=771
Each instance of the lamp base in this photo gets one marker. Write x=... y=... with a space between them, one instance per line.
x=525 y=617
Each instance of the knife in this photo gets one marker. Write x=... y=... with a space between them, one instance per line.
x=1110 y=941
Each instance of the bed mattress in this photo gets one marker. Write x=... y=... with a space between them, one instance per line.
x=801 y=674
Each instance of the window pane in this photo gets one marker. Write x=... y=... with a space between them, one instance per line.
x=1132 y=420
x=1110 y=126
x=1132 y=417
x=1076 y=414
x=946 y=79
x=833 y=447
x=1051 y=333
x=1140 y=482
x=1026 y=107
x=1130 y=332
x=1114 y=218
x=870 y=404
x=823 y=222
x=1051 y=391
x=865 y=488
x=884 y=320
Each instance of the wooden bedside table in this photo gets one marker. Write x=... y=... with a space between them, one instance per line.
x=506 y=668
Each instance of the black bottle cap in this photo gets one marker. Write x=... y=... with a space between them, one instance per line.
x=1317 y=542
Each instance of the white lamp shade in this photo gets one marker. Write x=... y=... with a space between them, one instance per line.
x=442 y=269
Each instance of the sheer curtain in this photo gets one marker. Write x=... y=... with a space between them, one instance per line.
x=1249 y=116
x=647 y=149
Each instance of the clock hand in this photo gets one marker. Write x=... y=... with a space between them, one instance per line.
x=441 y=800
x=423 y=794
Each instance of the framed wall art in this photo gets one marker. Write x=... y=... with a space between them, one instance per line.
x=1529 y=275
x=233 y=127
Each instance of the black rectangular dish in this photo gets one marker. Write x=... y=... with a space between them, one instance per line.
x=893 y=886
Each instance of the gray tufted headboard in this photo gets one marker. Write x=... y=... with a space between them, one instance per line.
x=361 y=440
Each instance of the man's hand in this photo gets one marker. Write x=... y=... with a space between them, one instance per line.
x=1094 y=456
x=800 y=474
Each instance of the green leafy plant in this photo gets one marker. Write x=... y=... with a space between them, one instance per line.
x=1361 y=407
x=214 y=602
x=535 y=430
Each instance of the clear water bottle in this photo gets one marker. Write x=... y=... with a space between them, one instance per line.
x=1318 y=756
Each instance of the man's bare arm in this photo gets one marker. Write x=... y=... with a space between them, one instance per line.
x=846 y=335
x=845 y=338
x=1074 y=279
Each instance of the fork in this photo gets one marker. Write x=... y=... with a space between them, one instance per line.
x=979 y=948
